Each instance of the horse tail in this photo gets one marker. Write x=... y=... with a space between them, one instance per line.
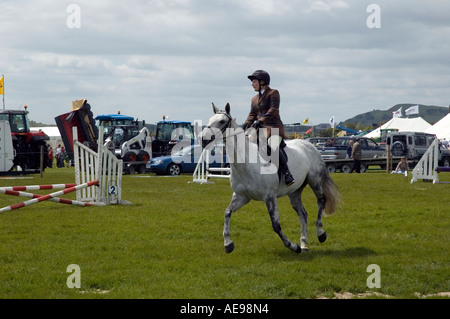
x=332 y=195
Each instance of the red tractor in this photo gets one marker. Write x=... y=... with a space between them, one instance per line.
x=27 y=144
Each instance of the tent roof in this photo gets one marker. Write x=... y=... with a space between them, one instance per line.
x=441 y=128
x=49 y=130
x=416 y=124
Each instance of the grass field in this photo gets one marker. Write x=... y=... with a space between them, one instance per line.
x=168 y=243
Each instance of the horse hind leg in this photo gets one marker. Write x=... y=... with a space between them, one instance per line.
x=297 y=205
x=237 y=202
x=318 y=191
x=272 y=207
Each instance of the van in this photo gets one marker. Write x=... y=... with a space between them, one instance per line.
x=410 y=144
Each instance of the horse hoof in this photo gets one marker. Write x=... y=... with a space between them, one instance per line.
x=229 y=248
x=322 y=237
x=298 y=250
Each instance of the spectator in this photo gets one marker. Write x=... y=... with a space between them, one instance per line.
x=349 y=149
x=58 y=156
x=402 y=166
x=50 y=157
x=356 y=155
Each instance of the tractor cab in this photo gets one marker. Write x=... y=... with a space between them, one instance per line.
x=27 y=144
x=119 y=128
x=169 y=133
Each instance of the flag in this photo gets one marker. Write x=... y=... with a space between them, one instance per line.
x=309 y=131
x=306 y=121
x=2 y=86
x=332 y=122
x=412 y=110
x=397 y=113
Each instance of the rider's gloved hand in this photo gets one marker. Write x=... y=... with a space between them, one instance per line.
x=256 y=124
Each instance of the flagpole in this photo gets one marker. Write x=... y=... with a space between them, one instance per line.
x=3 y=77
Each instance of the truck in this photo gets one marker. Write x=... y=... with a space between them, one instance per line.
x=30 y=146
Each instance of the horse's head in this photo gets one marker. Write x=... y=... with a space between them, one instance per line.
x=217 y=124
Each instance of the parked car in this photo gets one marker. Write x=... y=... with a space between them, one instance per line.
x=185 y=161
x=369 y=148
x=317 y=141
x=413 y=145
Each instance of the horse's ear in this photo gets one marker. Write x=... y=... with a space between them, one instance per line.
x=215 y=109
x=227 y=108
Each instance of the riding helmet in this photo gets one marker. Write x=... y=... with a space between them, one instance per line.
x=260 y=75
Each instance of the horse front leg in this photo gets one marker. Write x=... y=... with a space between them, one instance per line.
x=272 y=207
x=296 y=203
x=237 y=201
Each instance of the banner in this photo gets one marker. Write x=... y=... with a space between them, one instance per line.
x=2 y=85
x=332 y=122
x=412 y=110
x=397 y=113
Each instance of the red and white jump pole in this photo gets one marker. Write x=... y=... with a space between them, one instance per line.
x=54 y=199
x=37 y=187
x=15 y=190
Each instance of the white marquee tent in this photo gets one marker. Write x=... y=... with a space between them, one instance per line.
x=416 y=124
x=441 y=128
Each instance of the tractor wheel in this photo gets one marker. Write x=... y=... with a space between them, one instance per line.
x=142 y=169
x=143 y=156
x=129 y=157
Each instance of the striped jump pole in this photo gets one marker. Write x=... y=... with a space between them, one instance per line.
x=37 y=187
x=53 y=199
x=46 y=197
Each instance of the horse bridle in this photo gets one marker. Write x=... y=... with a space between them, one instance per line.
x=225 y=127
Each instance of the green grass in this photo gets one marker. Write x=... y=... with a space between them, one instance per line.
x=168 y=243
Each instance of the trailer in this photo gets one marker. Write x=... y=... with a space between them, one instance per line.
x=345 y=165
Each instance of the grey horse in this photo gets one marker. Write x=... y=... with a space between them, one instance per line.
x=252 y=179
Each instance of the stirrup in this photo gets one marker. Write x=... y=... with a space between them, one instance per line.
x=288 y=179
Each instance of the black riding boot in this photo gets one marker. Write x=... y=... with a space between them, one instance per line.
x=288 y=179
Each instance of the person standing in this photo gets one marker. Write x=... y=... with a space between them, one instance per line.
x=349 y=149
x=356 y=156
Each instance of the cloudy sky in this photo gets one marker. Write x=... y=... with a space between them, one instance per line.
x=174 y=57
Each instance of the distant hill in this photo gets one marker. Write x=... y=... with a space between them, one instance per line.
x=429 y=113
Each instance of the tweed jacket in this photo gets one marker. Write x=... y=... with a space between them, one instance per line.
x=266 y=109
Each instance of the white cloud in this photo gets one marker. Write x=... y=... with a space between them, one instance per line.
x=177 y=56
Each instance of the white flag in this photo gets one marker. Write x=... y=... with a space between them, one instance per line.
x=397 y=113
x=412 y=110
x=332 y=122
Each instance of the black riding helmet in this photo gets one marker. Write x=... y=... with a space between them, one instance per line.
x=260 y=75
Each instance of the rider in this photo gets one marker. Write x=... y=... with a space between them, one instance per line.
x=264 y=113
